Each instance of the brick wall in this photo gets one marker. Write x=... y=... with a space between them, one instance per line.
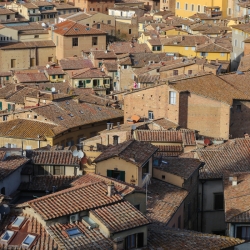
x=240 y=119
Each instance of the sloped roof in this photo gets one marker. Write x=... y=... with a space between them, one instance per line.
x=73 y=200
x=133 y=151
x=70 y=28
x=75 y=63
x=127 y=47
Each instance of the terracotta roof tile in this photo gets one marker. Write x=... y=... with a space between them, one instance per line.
x=89 y=240
x=164 y=123
x=88 y=73
x=46 y=183
x=73 y=200
x=232 y=156
x=169 y=150
x=183 y=167
x=162 y=237
x=31 y=77
x=165 y=200
x=212 y=47
x=75 y=63
x=24 y=45
x=61 y=157
x=120 y=217
x=135 y=152
x=29 y=129
x=10 y=164
x=125 y=47
x=7 y=91
x=69 y=28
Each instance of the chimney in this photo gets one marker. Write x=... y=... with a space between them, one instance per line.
x=118 y=125
x=233 y=180
x=110 y=189
x=108 y=126
x=246 y=135
x=111 y=125
x=115 y=140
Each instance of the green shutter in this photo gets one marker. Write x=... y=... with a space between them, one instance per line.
x=9 y=107
x=109 y=173
x=122 y=175
x=1 y=105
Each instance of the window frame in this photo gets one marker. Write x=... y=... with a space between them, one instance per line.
x=74 y=41
x=172 y=97
x=216 y=207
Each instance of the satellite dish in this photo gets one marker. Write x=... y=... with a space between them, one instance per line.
x=53 y=89
x=75 y=153
x=73 y=148
x=80 y=154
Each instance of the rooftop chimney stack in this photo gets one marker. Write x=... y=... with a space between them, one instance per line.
x=110 y=189
x=246 y=135
x=108 y=126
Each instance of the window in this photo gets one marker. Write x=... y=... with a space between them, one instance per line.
x=28 y=240
x=98 y=26
x=58 y=170
x=18 y=221
x=7 y=235
x=175 y=72
x=74 y=41
x=186 y=6
x=73 y=232
x=199 y=8
x=163 y=177
x=32 y=62
x=238 y=108
x=156 y=48
x=243 y=232
x=235 y=42
x=172 y=97
x=115 y=139
x=242 y=45
x=222 y=54
x=179 y=221
x=119 y=175
x=177 y=5
x=118 y=32
x=203 y=53
x=94 y=40
x=204 y=9
x=36 y=36
x=13 y=63
x=218 y=201
x=229 y=11
x=109 y=21
x=150 y=115
x=134 y=241
x=186 y=48
x=190 y=72
x=192 y=7
x=129 y=31
x=5 y=118
x=1 y=105
x=137 y=206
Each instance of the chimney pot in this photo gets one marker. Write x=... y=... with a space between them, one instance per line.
x=110 y=189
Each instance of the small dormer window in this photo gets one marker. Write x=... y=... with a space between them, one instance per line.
x=18 y=221
x=7 y=235
x=28 y=240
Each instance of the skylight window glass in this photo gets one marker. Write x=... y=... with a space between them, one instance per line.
x=18 y=221
x=73 y=232
x=7 y=235
x=28 y=240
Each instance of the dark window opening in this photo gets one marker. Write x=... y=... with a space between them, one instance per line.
x=238 y=108
x=218 y=201
x=119 y=175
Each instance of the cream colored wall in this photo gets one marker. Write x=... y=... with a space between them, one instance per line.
x=32 y=38
x=23 y=57
x=98 y=18
x=65 y=48
x=170 y=178
x=26 y=142
x=121 y=165
x=137 y=199
x=70 y=170
x=8 y=32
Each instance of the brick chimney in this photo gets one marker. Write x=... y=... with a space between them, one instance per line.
x=246 y=135
x=110 y=189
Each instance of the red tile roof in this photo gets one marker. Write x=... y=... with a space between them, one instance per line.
x=64 y=158
x=75 y=63
x=135 y=152
x=11 y=164
x=70 y=28
x=31 y=77
x=169 y=150
x=120 y=217
x=25 y=45
x=126 y=47
x=73 y=200
x=232 y=156
x=88 y=73
x=162 y=237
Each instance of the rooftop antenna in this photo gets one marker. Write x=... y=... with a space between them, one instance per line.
x=146 y=181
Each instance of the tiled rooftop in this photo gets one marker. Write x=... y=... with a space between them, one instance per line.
x=126 y=47
x=88 y=73
x=164 y=201
x=46 y=183
x=120 y=217
x=10 y=164
x=63 y=158
x=73 y=200
x=164 y=123
x=169 y=150
x=89 y=240
x=75 y=63
x=70 y=28
x=183 y=167
x=232 y=156
x=135 y=152
x=25 y=45
x=209 y=86
x=121 y=187
x=31 y=226
x=31 y=77
x=162 y=237
x=29 y=129
x=237 y=198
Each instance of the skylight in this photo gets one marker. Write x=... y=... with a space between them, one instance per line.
x=18 y=221
x=71 y=115
x=60 y=117
x=28 y=240
x=7 y=235
x=81 y=112
x=73 y=232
